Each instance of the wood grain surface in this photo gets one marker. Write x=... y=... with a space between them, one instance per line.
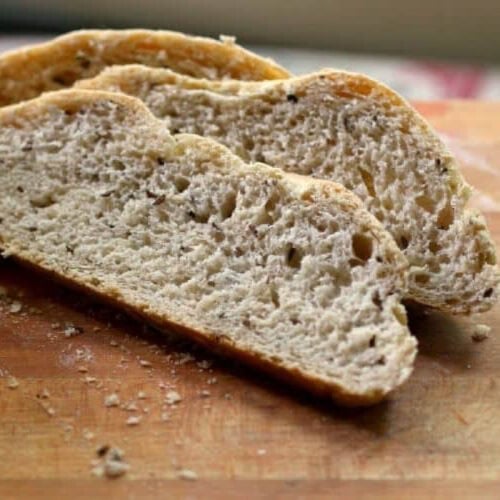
x=243 y=435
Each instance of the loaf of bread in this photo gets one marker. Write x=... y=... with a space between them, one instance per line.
x=27 y=72
x=353 y=130
x=285 y=272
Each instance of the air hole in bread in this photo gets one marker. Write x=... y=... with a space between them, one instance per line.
x=373 y=341
x=275 y=298
x=426 y=203
x=228 y=206
x=117 y=164
x=181 y=184
x=488 y=293
x=403 y=242
x=293 y=257
x=434 y=247
x=421 y=278
x=362 y=246
x=42 y=200
x=368 y=182
x=445 y=217
x=387 y=204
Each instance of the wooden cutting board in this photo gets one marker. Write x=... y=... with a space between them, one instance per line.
x=241 y=434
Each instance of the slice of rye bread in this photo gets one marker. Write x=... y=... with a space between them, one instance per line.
x=27 y=72
x=353 y=130
x=282 y=271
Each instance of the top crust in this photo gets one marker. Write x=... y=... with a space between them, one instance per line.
x=27 y=72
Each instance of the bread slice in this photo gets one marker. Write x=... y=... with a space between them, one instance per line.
x=285 y=272
x=27 y=72
x=353 y=130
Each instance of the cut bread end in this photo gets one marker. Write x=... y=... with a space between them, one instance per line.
x=290 y=274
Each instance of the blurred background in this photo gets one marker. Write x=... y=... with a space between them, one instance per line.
x=425 y=49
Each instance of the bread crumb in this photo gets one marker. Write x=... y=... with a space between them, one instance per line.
x=12 y=382
x=145 y=363
x=112 y=465
x=88 y=435
x=228 y=396
x=90 y=380
x=49 y=410
x=142 y=395
x=187 y=474
x=227 y=39
x=15 y=307
x=261 y=452
x=480 y=333
x=164 y=417
x=111 y=400
x=83 y=369
x=172 y=397
x=133 y=420
x=43 y=394
x=113 y=343
x=212 y=381
x=131 y=406
x=205 y=394
x=184 y=358
x=71 y=330
x=204 y=364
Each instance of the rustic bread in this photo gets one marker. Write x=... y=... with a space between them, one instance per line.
x=285 y=272
x=27 y=72
x=353 y=130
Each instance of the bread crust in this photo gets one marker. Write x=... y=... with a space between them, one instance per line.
x=27 y=72
x=308 y=189
x=127 y=78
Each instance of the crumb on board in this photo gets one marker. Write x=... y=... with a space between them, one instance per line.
x=133 y=420
x=145 y=363
x=164 y=417
x=480 y=332
x=172 y=397
x=261 y=452
x=111 y=400
x=205 y=393
x=112 y=464
x=212 y=381
x=15 y=307
x=142 y=395
x=12 y=382
x=88 y=434
x=187 y=474
x=71 y=330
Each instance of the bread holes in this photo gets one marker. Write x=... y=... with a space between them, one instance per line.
x=426 y=203
x=434 y=247
x=445 y=217
x=362 y=247
x=403 y=241
x=421 y=278
x=228 y=206
x=388 y=204
x=117 y=165
x=377 y=301
x=372 y=342
x=275 y=298
x=488 y=293
x=368 y=181
x=293 y=257
x=181 y=184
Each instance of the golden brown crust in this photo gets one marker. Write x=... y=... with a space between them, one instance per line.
x=27 y=72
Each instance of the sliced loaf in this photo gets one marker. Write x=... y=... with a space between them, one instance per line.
x=353 y=130
x=27 y=72
x=284 y=272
